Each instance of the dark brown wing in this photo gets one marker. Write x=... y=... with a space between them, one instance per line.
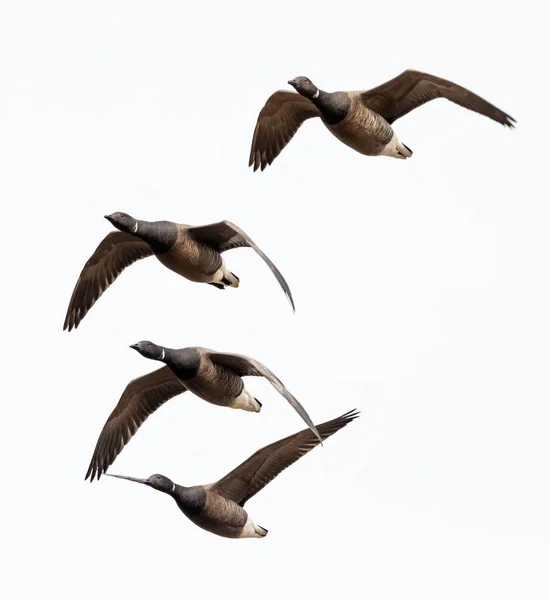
x=140 y=399
x=226 y=236
x=246 y=366
x=411 y=89
x=263 y=466
x=117 y=251
x=277 y=123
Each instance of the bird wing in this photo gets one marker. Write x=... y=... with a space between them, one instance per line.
x=263 y=466
x=246 y=366
x=117 y=251
x=140 y=399
x=277 y=123
x=226 y=236
x=412 y=89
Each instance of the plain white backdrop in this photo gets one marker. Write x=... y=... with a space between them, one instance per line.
x=422 y=291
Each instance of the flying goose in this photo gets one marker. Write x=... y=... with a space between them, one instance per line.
x=361 y=120
x=192 y=252
x=213 y=376
x=218 y=507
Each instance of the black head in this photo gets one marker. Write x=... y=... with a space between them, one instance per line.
x=149 y=350
x=304 y=86
x=157 y=482
x=123 y=222
x=161 y=483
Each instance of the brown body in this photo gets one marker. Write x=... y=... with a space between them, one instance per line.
x=362 y=129
x=215 y=383
x=192 y=252
x=361 y=120
x=191 y=259
x=216 y=377
x=220 y=515
x=219 y=507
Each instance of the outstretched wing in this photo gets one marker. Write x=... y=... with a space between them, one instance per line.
x=140 y=399
x=117 y=251
x=263 y=466
x=246 y=366
x=277 y=123
x=412 y=89
x=226 y=236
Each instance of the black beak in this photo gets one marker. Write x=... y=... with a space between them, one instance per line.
x=292 y=82
x=136 y=479
x=135 y=346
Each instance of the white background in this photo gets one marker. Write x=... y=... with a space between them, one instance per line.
x=421 y=286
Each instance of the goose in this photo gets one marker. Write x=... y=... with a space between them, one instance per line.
x=213 y=376
x=219 y=507
x=361 y=120
x=192 y=252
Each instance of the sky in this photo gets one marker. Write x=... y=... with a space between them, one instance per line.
x=421 y=289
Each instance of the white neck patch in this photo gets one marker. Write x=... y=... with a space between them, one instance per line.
x=316 y=95
x=162 y=355
x=134 y=230
x=173 y=487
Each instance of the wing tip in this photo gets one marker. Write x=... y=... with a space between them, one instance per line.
x=317 y=434
x=94 y=471
x=509 y=122
x=329 y=428
x=72 y=320
x=255 y=160
x=291 y=300
x=68 y=324
x=347 y=417
x=350 y=415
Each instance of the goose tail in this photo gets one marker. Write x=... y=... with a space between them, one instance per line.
x=230 y=279
x=261 y=531
x=251 y=530
x=405 y=151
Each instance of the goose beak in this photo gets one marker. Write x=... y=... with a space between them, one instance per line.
x=292 y=82
x=109 y=218
x=136 y=479
x=134 y=347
